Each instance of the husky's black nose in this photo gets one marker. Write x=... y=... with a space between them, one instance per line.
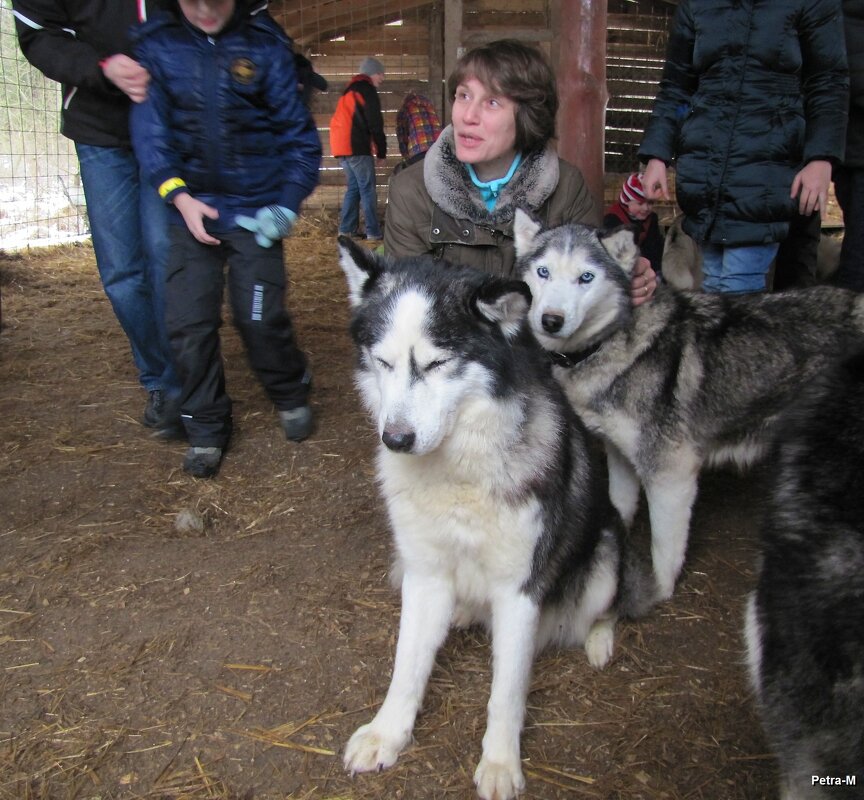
x=398 y=441
x=552 y=323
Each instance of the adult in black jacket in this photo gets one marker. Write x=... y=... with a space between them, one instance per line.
x=849 y=178
x=752 y=108
x=84 y=45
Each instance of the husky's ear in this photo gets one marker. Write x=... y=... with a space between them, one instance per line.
x=620 y=243
x=503 y=303
x=525 y=229
x=359 y=265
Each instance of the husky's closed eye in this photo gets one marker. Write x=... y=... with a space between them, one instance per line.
x=433 y=365
x=488 y=480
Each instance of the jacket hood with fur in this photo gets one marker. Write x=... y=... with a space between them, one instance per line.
x=451 y=189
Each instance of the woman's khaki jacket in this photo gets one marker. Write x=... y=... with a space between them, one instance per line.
x=434 y=208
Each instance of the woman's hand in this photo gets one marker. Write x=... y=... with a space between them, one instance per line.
x=811 y=187
x=643 y=283
x=654 y=181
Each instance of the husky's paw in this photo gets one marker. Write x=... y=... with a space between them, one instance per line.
x=370 y=750
x=600 y=643
x=498 y=781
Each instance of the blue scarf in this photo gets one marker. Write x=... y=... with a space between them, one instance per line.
x=489 y=190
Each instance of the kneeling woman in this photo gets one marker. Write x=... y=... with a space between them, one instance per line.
x=458 y=203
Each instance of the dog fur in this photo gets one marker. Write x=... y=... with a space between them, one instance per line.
x=678 y=383
x=498 y=505
x=805 y=619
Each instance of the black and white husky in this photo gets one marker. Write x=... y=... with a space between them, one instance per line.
x=805 y=620
x=499 y=510
x=683 y=381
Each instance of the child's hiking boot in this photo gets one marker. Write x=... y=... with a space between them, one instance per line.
x=297 y=423
x=202 y=462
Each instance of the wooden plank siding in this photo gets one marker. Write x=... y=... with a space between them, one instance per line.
x=635 y=54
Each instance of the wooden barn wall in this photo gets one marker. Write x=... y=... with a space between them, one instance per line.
x=635 y=54
x=408 y=37
x=336 y=36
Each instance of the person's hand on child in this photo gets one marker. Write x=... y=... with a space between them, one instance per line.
x=127 y=75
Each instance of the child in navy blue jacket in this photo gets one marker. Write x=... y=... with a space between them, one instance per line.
x=227 y=141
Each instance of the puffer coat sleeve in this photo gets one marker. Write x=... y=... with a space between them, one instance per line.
x=853 y=19
x=752 y=91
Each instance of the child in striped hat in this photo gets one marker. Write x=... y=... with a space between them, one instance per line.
x=635 y=210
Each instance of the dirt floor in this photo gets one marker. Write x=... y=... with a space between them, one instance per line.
x=167 y=637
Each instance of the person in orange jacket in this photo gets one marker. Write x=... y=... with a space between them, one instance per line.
x=356 y=135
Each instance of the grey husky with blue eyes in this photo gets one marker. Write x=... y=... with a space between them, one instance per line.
x=683 y=381
x=498 y=505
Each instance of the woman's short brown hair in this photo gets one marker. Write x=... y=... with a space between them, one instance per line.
x=522 y=74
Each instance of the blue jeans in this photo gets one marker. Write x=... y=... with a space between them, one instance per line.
x=736 y=269
x=360 y=172
x=129 y=225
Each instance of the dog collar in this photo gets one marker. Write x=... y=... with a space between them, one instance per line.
x=572 y=359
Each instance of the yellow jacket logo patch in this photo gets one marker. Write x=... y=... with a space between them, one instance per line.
x=243 y=71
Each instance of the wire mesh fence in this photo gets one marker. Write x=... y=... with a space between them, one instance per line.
x=40 y=191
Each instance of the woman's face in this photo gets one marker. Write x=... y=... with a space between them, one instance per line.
x=484 y=128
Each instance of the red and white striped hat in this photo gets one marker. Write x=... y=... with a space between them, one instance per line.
x=632 y=190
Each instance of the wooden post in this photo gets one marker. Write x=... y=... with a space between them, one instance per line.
x=436 y=58
x=452 y=48
x=579 y=60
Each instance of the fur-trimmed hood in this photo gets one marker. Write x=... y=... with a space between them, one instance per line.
x=451 y=189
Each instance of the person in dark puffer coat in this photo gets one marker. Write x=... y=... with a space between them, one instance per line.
x=752 y=108
x=227 y=141
x=849 y=177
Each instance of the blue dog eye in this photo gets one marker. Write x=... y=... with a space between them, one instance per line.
x=543 y=272
x=586 y=277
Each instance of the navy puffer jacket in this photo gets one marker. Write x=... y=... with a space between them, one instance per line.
x=853 y=20
x=224 y=115
x=752 y=91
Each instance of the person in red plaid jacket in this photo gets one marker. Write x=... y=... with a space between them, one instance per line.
x=417 y=127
